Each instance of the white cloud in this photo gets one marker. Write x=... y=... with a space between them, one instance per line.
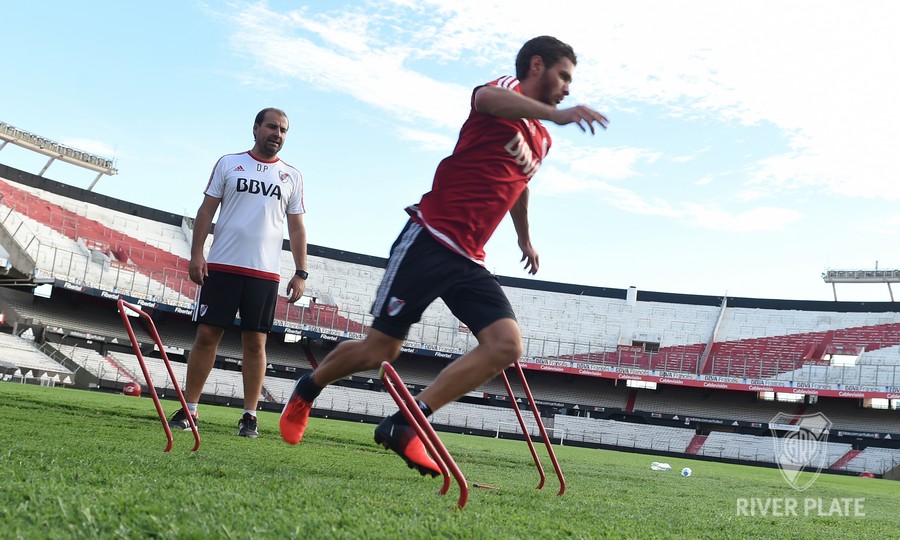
x=881 y=226
x=555 y=181
x=428 y=140
x=595 y=161
x=371 y=71
x=683 y=159
x=750 y=195
x=762 y=218
x=824 y=73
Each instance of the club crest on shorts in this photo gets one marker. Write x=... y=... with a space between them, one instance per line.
x=395 y=306
x=800 y=446
x=203 y=308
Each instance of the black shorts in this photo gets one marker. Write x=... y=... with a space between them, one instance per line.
x=420 y=270
x=223 y=295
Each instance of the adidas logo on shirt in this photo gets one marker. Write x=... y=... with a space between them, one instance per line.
x=239 y=168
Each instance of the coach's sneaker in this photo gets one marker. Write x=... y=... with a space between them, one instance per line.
x=294 y=416
x=247 y=426
x=180 y=421
x=402 y=439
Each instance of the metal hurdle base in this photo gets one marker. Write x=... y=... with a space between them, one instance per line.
x=407 y=404
x=410 y=409
x=540 y=424
x=123 y=311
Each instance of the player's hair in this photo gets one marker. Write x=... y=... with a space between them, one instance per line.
x=261 y=115
x=548 y=48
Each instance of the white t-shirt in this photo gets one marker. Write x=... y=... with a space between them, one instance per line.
x=256 y=196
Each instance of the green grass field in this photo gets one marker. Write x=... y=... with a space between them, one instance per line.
x=78 y=464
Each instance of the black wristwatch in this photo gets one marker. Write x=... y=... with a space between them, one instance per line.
x=302 y=274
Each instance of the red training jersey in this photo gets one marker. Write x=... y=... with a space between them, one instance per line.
x=482 y=179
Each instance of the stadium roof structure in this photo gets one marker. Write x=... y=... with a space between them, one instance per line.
x=862 y=276
x=55 y=150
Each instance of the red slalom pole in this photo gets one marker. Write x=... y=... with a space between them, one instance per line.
x=123 y=306
x=534 y=456
x=540 y=425
x=433 y=444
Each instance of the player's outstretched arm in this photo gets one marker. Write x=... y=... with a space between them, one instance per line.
x=505 y=103
x=582 y=115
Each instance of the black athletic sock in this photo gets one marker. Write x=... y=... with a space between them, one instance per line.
x=399 y=418
x=307 y=389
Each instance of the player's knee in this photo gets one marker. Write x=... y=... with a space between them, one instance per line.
x=370 y=353
x=253 y=348
x=505 y=351
x=515 y=351
x=382 y=354
x=208 y=336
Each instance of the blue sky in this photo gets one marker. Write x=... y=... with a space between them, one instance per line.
x=751 y=145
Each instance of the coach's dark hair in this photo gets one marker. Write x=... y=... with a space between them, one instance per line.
x=261 y=115
x=548 y=48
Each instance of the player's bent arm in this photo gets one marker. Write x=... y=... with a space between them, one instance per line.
x=297 y=240
x=519 y=215
x=505 y=103
x=203 y=224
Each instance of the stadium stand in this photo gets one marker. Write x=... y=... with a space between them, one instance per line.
x=684 y=358
x=26 y=355
x=72 y=246
x=96 y=250
x=875 y=460
x=855 y=418
x=623 y=434
x=699 y=402
x=221 y=383
x=99 y=366
x=84 y=314
x=739 y=447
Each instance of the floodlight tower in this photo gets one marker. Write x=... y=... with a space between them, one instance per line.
x=55 y=150
x=862 y=276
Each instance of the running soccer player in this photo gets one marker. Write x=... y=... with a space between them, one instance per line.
x=440 y=252
x=257 y=192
